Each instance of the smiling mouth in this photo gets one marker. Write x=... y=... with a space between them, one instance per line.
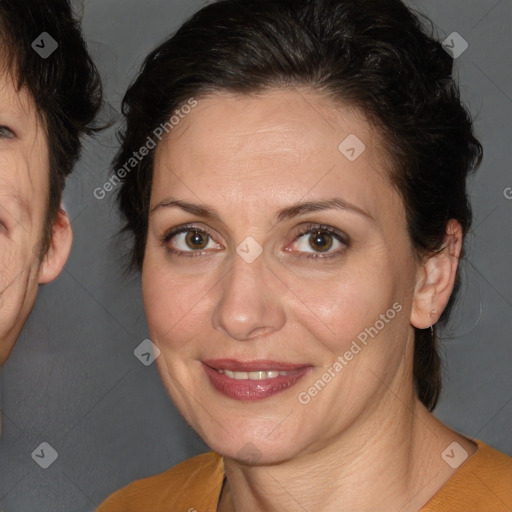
x=252 y=380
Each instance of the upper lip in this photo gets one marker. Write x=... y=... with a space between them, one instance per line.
x=251 y=366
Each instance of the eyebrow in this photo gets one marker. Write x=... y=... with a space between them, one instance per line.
x=315 y=206
x=295 y=210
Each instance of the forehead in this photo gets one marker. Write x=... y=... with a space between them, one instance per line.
x=287 y=143
x=17 y=105
x=279 y=120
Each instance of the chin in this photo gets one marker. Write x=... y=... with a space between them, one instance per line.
x=246 y=446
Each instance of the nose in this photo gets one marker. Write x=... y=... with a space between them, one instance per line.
x=250 y=301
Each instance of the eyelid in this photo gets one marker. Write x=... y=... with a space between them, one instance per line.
x=313 y=227
x=184 y=228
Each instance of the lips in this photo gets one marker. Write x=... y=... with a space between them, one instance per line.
x=252 y=380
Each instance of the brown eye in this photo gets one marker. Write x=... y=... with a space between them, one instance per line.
x=189 y=241
x=320 y=241
x=196 y=240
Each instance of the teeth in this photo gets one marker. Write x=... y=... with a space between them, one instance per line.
x=259 y=375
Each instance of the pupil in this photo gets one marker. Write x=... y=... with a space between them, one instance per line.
x=319 y=241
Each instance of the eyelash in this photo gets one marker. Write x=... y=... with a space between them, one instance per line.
x=308 y=229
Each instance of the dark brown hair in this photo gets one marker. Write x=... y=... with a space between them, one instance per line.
x=66 y=86
x=373 y=54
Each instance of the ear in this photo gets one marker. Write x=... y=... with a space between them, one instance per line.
x=58 y=252
x=436 y=278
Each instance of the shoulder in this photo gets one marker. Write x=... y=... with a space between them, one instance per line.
x=482 y=484
x=193 y=484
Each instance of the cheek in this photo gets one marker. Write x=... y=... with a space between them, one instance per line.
x=336 y=309
x=18 y=279
x=17 y=260
x=175 y=305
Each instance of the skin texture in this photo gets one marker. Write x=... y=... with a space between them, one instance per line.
x=364 y=442
x=24 y=183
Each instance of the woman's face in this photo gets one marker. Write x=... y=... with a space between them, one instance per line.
x=277 y=253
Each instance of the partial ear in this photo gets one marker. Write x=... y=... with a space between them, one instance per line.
x=58 y=252
x=436 y=278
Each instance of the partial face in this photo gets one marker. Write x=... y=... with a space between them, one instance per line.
x=245 y=337
x=24 y=181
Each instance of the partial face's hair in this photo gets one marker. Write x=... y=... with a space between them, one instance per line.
x=65 y=87
x=371 y=54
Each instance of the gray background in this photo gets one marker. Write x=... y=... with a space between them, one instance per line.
x=73 y=381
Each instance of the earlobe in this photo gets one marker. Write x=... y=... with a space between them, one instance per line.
x=436 y=278
x=60 y=246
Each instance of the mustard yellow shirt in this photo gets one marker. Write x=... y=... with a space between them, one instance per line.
x=483 y=483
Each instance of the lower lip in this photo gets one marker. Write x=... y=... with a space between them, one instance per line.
x=251 y=390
